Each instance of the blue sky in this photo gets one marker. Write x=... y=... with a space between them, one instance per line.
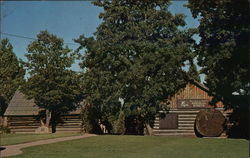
x=66 y=19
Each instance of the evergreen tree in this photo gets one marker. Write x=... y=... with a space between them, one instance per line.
x=11 y=74
x=51 y=83
x=136 y=56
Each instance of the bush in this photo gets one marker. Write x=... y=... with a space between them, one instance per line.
x=4 y=129
x=90 y=119
x=86 y=122
x=119 y=124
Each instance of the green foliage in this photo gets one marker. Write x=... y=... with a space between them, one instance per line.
x=11 y=74
x=193 y=73
x=51 y=83
x=4 y=129
x=119 y=127
x=89 y=118
x=136 y=55
x=223 y=52
x=86 y=120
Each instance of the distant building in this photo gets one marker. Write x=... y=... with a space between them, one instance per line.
x=184 y=106
x=22 y=116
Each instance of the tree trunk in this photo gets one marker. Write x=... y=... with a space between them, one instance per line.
x=53 y=121
x=48 y=118
x=149 y=129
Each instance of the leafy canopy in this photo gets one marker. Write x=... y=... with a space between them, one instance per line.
x=134 y=61
x=51 y=83
x=193 y=72
x=224 y=47
x=11 y=74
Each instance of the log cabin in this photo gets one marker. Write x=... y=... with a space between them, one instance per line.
x=22 y=116
x=183 y=109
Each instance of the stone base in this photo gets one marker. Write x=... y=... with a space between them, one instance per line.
x=42 y=129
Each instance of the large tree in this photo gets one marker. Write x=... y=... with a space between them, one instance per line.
x=223 y=53
x=193 y=73
x=135 y=60
x=11 y=74
x=51 y=83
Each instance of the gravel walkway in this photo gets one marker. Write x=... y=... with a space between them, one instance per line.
x=12 y=150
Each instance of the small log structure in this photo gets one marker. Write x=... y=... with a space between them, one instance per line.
x=22 y=116
x=183 y=109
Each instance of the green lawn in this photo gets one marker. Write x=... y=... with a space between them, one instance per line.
x=9 y=139
x=141 y=147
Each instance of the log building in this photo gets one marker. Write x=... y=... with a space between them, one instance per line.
x=184 y=107
x=22 y=116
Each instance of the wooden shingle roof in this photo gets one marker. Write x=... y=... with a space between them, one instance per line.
x=21 y=106
x=200 y=85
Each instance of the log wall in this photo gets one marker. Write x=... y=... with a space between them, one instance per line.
x=70 y=123
x=192 y=95
x=23 y=124
x=29 y=124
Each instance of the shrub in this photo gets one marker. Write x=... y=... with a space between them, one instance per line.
x=90 y=119
x=119 y=124
x=4 y=129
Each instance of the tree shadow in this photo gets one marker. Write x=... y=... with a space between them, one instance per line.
x=3 y=105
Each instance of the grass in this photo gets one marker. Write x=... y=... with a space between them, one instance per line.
x=141 y=147
x=10 y=139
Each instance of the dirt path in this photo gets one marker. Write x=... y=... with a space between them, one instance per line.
x=12 y=150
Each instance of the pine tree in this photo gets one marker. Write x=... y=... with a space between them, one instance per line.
x=51 y=83
x=11 y=74
x=136 y=56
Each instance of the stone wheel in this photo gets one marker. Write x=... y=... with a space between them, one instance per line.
x=210 y=123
